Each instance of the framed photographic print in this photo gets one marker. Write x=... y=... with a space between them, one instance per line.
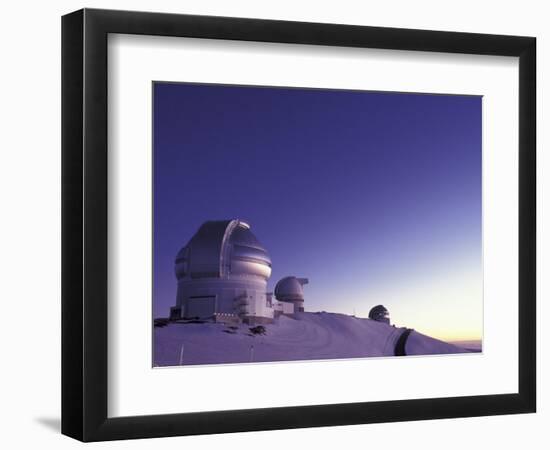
x=272 y=224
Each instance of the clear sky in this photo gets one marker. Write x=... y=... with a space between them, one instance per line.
x=375 y=197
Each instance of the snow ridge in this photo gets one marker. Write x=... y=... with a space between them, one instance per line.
x=306 y=336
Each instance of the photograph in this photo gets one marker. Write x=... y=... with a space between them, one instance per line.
x=275 y=225
x=296 y=224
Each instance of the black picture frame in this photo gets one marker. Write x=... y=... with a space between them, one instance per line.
x=84 y=224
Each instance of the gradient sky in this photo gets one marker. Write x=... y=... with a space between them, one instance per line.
x=375 y=197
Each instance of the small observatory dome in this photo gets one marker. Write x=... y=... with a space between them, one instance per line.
x=290 y=289
x=380 y=314
x=221 y=249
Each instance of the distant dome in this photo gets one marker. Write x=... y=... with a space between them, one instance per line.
x=222 y=249
x=290 y=288
x=380 y=314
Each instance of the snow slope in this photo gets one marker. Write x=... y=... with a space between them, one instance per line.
x=308 y=336
x=420 y=344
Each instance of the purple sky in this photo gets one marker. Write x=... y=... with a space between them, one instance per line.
x=375 y=197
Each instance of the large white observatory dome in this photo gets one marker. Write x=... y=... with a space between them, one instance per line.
x=220 y=249
x=222 y=275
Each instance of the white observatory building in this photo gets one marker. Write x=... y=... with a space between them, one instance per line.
x=290 y=290
x=222 y=275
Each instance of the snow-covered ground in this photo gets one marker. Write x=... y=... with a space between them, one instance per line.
x=474 y=345
x=307 y=336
